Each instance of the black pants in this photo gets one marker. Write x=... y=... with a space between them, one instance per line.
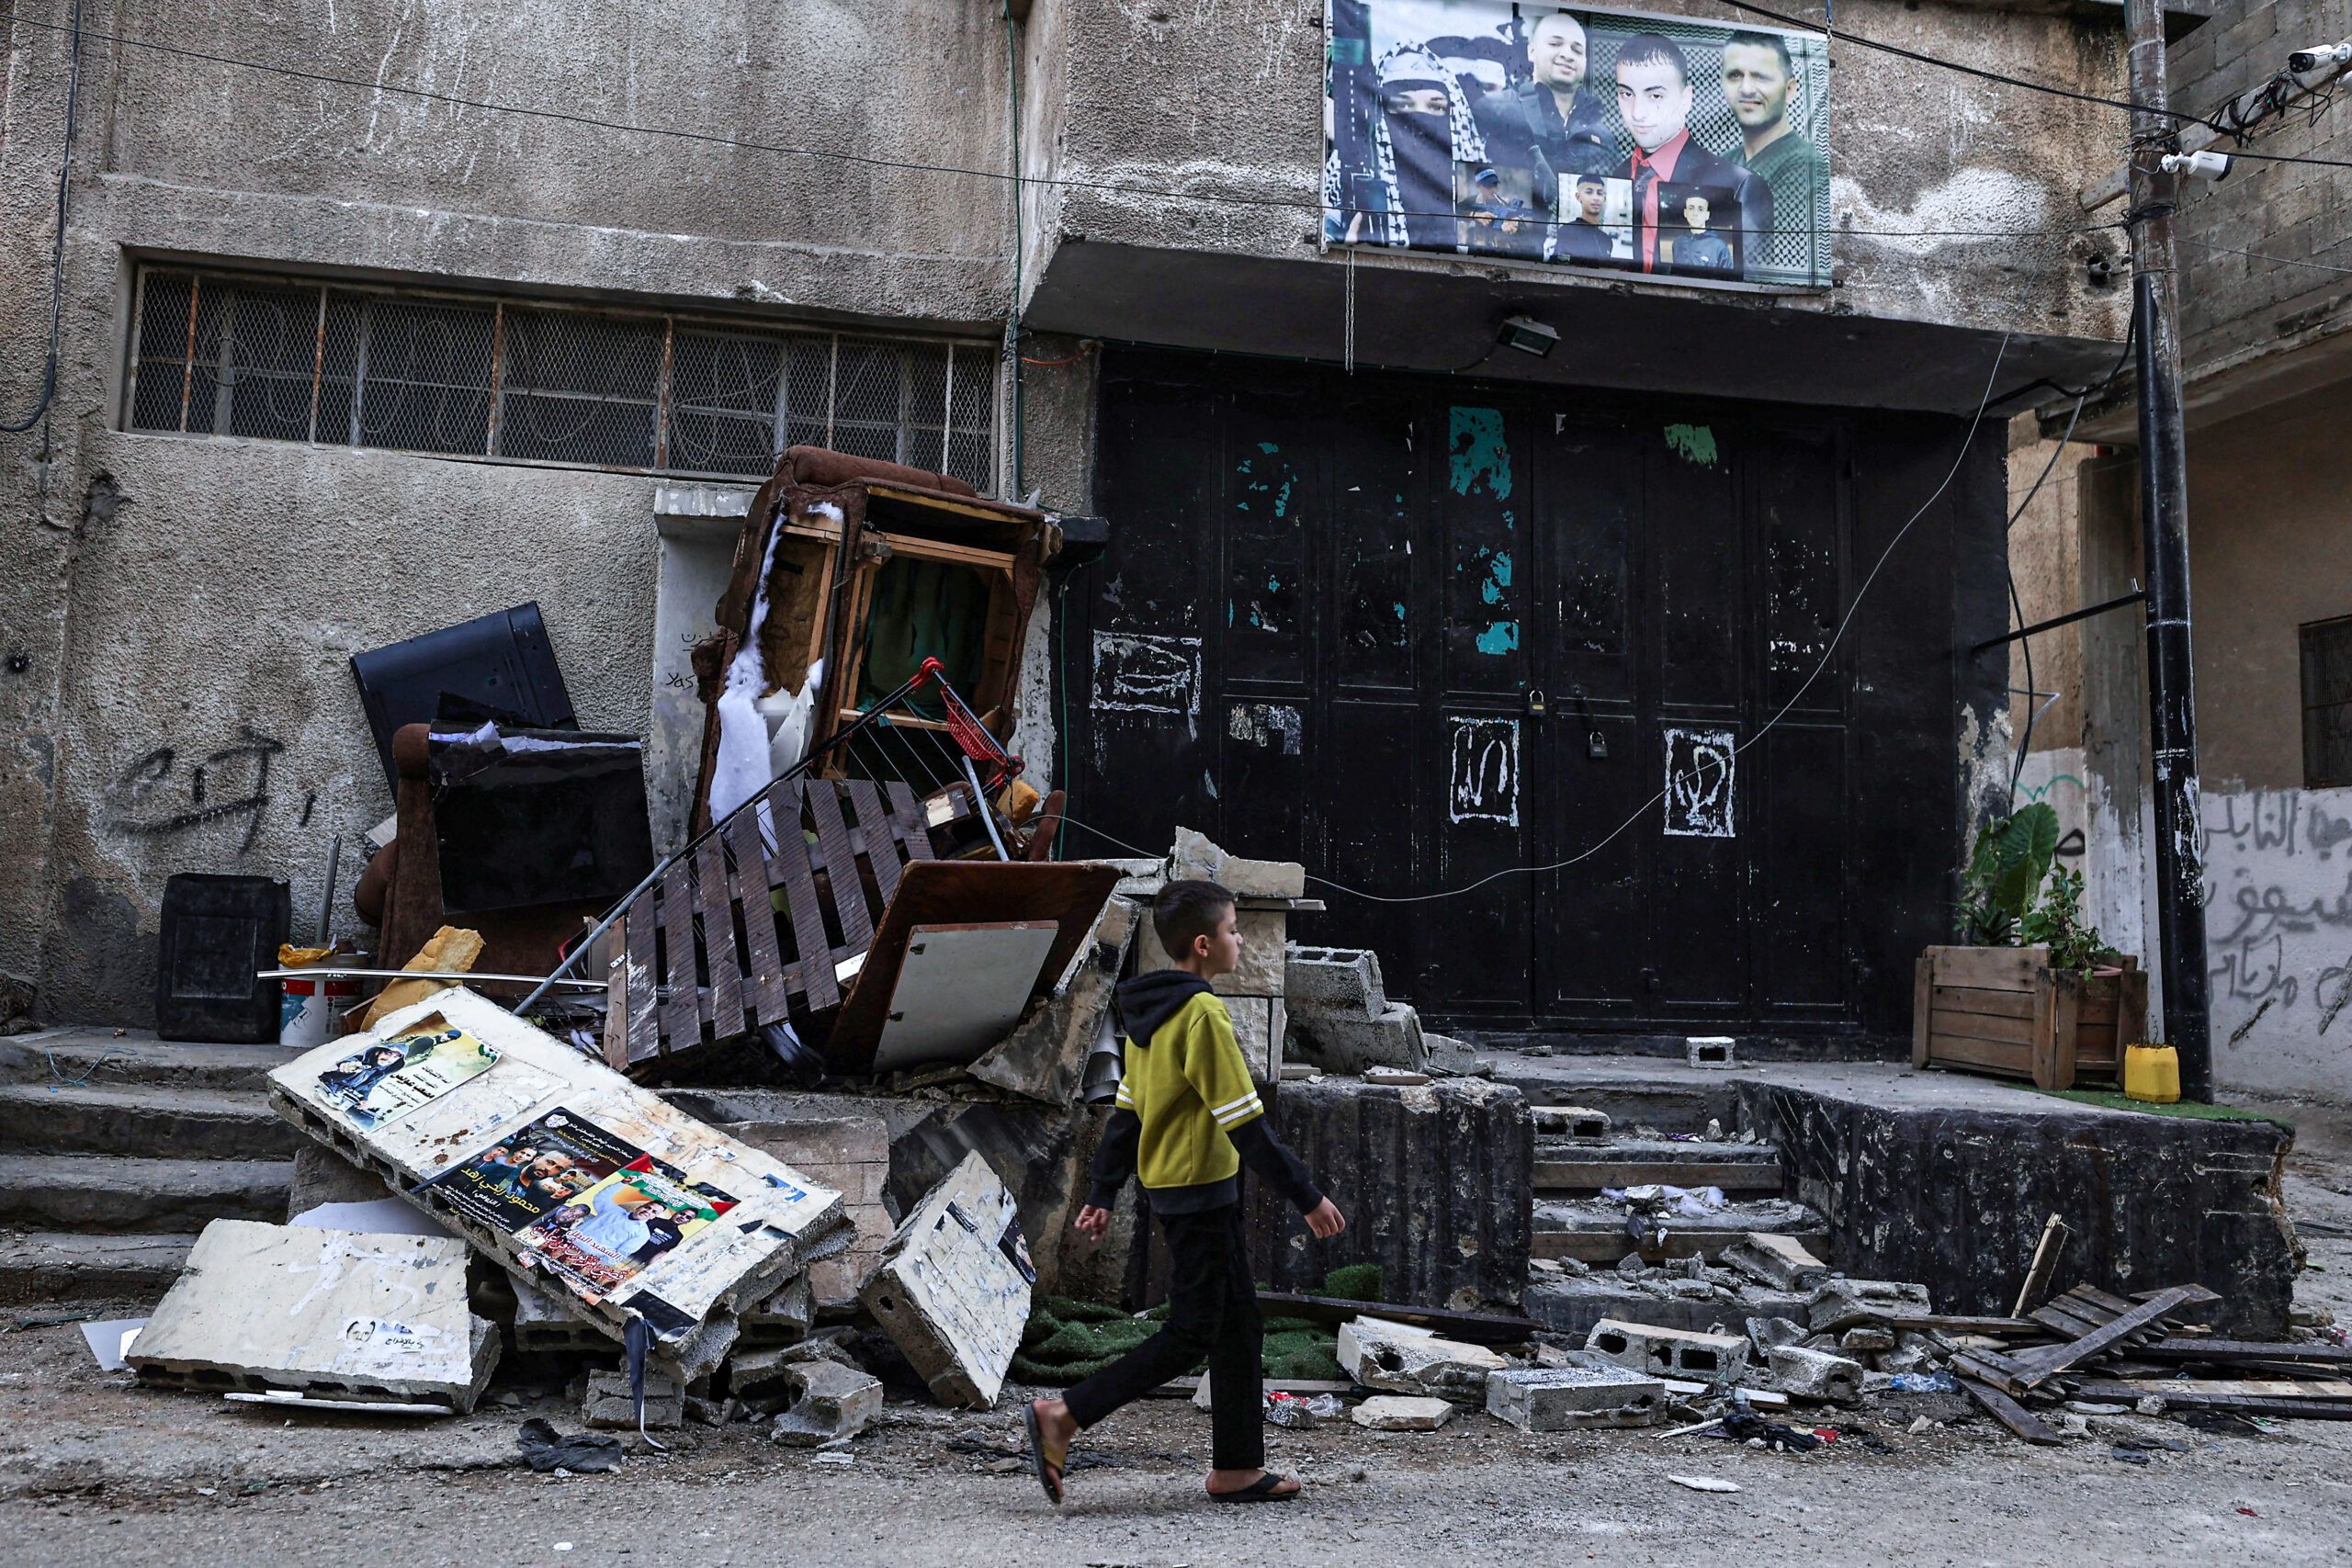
x=1212 y=1312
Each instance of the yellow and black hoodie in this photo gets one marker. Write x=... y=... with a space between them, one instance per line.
x=1188 y=1116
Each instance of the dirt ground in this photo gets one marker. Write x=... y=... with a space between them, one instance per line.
x=94 y=1471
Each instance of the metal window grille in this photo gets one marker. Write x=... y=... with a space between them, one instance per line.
x=274 y=359
x=2327 y=703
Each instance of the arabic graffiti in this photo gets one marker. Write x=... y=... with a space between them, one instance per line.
x=2278 y=914
x=157 y=797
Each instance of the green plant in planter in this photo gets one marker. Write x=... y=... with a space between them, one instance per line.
x=2057 y=923
x=2004 y=875
x=2014 y=896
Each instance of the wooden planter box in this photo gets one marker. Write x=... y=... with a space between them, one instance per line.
x=2002 y=1010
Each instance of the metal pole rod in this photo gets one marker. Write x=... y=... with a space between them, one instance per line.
x=988 y=813
x=2164 y=508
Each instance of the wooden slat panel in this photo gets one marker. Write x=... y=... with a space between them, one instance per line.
x=813 y=973
x=2096 y=1012
x=907 y=821
x=1992 y=968
x=1984 y=1026
x=841 y=865
x=617 y=999
x=874 y=837
x=724 y=1009
x=681 y=1014
x=644 y=980
x=1972 y=999
x=1995 y=1055
x=764 y=990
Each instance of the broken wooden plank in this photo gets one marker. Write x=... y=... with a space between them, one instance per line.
x=2009 y=1413
x=812 y=967
x=2045 y=1264
x=763 y=981
x=713 y=897
x=2248 y=1388
x=2248 y=1404
x=2230 y=1350
x=841 y=865
x=874 y=834
x=2048 y=1362
x=1953 y=1323
x=644 y=1016
x=681 y=1017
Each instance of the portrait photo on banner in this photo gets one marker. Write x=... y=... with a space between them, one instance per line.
x=1618 y=139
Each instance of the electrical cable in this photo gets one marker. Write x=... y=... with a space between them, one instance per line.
x=2257 y=255
x=1983 y=403
x=57 y=258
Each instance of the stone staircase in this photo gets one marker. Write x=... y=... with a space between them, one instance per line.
x=116 y=1150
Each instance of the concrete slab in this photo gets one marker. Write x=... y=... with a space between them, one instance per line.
x=319 y=1312
x=953 y=1289
x=1573 y=1305
x=1562 y=1399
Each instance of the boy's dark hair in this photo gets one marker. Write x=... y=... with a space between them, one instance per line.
x=1182 y=911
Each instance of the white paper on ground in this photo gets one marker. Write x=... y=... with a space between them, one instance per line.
x=1704 y=1483
x=384 y=1216
x=110 y=1341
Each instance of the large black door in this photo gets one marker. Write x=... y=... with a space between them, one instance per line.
x=1422 y=634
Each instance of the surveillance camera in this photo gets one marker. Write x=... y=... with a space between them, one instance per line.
x=2303 y=61
x=1529 y=336
x=2205 y=166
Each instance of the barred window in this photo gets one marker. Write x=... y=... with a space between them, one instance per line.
x=218 y=354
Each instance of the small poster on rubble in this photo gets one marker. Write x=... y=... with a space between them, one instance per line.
x=393 y=1077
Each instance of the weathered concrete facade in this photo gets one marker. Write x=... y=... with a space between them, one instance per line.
x=176 y=610
x=2269 y=382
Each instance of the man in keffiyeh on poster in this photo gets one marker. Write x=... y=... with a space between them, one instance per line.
x=1423 y=129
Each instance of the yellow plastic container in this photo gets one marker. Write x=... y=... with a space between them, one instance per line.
x=2152 y=1073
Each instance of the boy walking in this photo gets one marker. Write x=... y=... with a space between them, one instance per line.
x=1186 y=1119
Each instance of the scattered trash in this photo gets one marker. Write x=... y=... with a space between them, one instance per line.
x=1744 y=1426
x=1703 y=1483
x=111 y=1340
x=582 y=1454
x=1924 y=1383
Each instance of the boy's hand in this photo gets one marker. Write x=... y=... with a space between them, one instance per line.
x=1325 y=1220
x=1095 y=1223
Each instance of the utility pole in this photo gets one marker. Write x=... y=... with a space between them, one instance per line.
x=2163 y=518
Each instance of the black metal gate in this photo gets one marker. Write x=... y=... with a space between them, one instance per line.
x=1417 y=632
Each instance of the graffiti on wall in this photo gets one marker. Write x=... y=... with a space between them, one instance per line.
x=1484 y=774
x=1699 y=768
x=163 y=795
x=2278 y=914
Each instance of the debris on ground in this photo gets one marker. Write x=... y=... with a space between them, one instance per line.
x=582 y=1454
x=953 y=1285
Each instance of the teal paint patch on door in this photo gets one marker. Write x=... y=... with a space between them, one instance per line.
x=1478 y=452
x=1500 y=638
x=1692 y=443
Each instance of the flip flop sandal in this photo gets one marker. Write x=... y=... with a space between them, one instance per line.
x=1047 y=1469
x=1259 y=1491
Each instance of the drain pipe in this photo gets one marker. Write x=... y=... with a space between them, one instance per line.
x=1013 y=310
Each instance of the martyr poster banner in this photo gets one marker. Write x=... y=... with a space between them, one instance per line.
x=1585 y=138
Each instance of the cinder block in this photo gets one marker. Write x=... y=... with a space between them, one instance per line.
x=1379 y=1354
x=542 y=1324
x=610 y=1405
x=1669 y=1352
x=1340 y=980
x=1341 y=1044
x=1712 y=1051
x=1813 y=1374
x=1572 y=1122
x=1781 y=1262
x=784 y=1317
x=1561 y=1399
x=830 y=1401
x=1841 y=1304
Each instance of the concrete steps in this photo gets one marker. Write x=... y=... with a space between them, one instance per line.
x=108 y=1194
x=1583 y=1167
x=1593 y=1230
x=119 y=1149
x=143 y=1121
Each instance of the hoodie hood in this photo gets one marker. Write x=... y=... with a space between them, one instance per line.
x=1147 y=1001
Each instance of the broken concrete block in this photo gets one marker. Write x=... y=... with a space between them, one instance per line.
x=1400 y=1413
x=1195 y=858
x=1781 y=1262
x=1341 y=1044
x=1864 y=1338
x=609 y=1405
x=1766 y=1332
x=541 y=1324
x=1045 y=1056
x=1344 y=981
x=690 y=1359
x=1379 y=1354
x=1815 y=1374
x=1571 y=1120
x=1561 y=1399
x=852 y=1155
x=532 y=1140
x=762 y=1381
x=1711 y=1051
x=953 y=1289
x=784 y=1317
x=830 y=1402
x=1669 y=1352
x=320 y=1312
x=1841 y=1304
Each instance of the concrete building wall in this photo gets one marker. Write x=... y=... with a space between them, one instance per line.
x=169 y=605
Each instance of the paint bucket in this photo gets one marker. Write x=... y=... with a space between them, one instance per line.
x=307 y=1013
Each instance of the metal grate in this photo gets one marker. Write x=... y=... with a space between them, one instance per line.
x=216 y=355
